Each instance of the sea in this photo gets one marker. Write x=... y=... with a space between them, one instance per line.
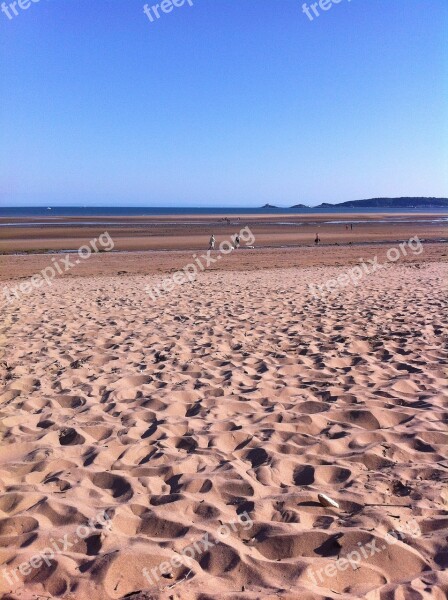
x=126 y=211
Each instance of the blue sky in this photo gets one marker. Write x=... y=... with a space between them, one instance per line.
x=225 y=103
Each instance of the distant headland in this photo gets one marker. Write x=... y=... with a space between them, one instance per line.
x=404 y=202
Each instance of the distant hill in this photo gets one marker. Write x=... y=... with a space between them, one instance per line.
x=269 y=206
x=300 y=206
x=406 y=202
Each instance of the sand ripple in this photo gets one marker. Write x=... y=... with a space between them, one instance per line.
x=237 y=393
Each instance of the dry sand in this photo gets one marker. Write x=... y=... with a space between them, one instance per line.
x=237 y=393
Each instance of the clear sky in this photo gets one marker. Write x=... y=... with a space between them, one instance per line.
x=225 y=103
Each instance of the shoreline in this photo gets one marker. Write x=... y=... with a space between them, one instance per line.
x=231 y=215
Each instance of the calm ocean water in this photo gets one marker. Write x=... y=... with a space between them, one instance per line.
x=78 y=211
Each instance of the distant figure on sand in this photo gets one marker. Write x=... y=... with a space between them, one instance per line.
x=212 y=243
x=351 y=226
x=237 y=241
x=317 y=239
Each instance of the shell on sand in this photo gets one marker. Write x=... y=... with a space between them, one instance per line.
x=327 y=501
x=445 y=496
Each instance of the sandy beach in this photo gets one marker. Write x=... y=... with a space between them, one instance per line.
x=210 y=418
x=223 y=300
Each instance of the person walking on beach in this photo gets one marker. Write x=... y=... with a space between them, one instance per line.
x=212 y=243
x=237 y=241
x=317 y=239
